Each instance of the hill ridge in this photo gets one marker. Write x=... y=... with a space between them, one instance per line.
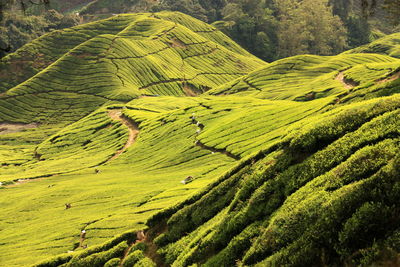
x=293 y=163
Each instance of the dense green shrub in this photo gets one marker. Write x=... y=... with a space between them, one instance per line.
x=133 y=258
x=100 y=258
x=113 y=262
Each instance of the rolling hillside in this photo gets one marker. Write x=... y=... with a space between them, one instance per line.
x=307 y=77
x=388 y=45
x=155 y=140
x=117 y=60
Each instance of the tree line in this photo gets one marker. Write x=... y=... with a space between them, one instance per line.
x=270 y=29
x=273 y=29
x=19 y=26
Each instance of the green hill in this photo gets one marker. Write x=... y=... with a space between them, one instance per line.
x=117 y=60
x=307 y=77
x=325 y=195
x=172 y=146
x=388 y=45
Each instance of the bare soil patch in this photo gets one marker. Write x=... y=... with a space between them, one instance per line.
x=188 y=89
x=178 y=43
x=391 y=78
x=6 y=128
x=116 y=114
x=347 y=83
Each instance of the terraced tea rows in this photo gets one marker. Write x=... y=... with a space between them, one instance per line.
x=304 y=78
x=388 y=45
x=320 y=193
x=147 y=56
x=37 y=55
x=161 y=141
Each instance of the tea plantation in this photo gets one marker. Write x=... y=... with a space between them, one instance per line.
x=155 y=140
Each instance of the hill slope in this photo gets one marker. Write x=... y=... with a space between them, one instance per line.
x=144 y=54
x=388 y=45
x=307 y=77
x=325 y=195
x=170 y=145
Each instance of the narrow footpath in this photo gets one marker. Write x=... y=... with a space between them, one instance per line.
x=348 y=84
x=116 y=114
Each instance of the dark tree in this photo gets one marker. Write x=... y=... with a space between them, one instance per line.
x=24 y=5
x=368 y=7
x=393 y=9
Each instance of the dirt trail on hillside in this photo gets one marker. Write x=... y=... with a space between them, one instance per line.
x=23 y=181
x=348 y=84
x=116 y=114
x=150 y=252
x=6 y=128
x=391 y=78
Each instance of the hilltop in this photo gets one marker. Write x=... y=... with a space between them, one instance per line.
x=117 y=60
x=388 y=45
x=170 y=145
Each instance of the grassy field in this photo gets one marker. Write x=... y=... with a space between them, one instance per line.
x=115 y=61
x=159 y=122
x=326 y=194
x=388 y=45
x=307 y=77
x=164 y=154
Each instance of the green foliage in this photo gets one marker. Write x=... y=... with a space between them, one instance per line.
x=113 y=262
x=251 y=24
x=122 y=66
x=275 y=29
x=388 y=45
x=101 y=258
x=145 y=262
x=289 y=203
x=358 y=31
x=307 y=77
x=393 y=9
x=309 y=27
x=293 y=163
x=133 y=258
x=17 y=30
x=370 y=220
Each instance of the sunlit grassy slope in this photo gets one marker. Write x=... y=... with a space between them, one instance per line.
x=292 y=164
x=328 y=195
x=388 y=45
x=117 y=60
x=307 y=77
x=164 y=154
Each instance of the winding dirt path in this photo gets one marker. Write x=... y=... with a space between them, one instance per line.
x=116 y=114
x=24 y=181
x=348 y=84
x=391 y=78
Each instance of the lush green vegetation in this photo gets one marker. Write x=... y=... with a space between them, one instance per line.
x=326 y=195
x=388 y=45
x=118 y=59
x=274 y=29
x=269 y=29
x=307 y=77
x=160 y=123
x=17 y=29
